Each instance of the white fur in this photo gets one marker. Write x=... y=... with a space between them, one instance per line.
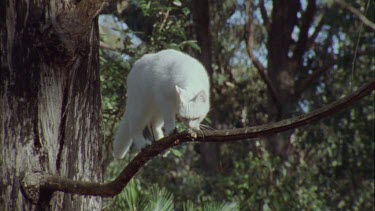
x=161 y=86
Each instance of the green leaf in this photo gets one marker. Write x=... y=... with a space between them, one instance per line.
x=177 y=3
x=176 y=153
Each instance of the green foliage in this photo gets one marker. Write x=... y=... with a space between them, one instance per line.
x=169 y=26
x=134 y=198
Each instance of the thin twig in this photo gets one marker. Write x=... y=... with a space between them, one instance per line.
x=164 y=20
x=356 y=51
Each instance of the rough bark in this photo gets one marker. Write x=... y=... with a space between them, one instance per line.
x=49 y=99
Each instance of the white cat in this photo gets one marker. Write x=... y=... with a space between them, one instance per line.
x=160 y=87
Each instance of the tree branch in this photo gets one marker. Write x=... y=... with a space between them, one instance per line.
x=311 y=78
x=166 y=16
x=314 y=76
x=264 y=14
x=35 y=184
x=356 y=12
x=307 y=19
x=316 y=32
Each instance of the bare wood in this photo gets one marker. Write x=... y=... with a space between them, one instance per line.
x=35 y=183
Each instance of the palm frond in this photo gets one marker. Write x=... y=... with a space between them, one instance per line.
x=216 y=206
x=159 y=200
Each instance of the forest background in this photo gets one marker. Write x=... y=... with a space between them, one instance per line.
x=267 y=60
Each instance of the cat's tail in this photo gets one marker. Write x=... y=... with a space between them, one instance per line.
x=122 y=141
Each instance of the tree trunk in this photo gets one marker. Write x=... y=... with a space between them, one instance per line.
x=49 y=104
x=281 y=69
x=210 y=153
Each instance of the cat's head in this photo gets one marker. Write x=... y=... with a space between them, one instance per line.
x=192 y=108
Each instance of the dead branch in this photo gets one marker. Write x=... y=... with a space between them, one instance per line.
x=36 y=183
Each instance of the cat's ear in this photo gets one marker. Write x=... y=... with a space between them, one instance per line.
x=201 y=97
x=180 y=93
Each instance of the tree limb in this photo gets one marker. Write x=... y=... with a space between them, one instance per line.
x=307 y=19
x=356 y=12
x=166 y=16
x=316 y=32
x=314 y=76
x=34 y=184
x=263 y=12
x=307 y=82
